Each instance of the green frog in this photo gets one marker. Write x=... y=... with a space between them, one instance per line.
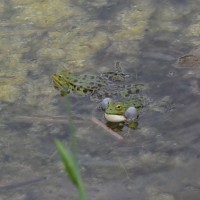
x=126 y=111
x=66 y=83
x=105 y=86
x=97 y=86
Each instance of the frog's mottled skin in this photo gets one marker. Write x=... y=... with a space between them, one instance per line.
x=83 y=84
x=98 y=86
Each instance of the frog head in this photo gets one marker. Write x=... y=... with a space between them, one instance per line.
x=118 y=111
x=61 y=83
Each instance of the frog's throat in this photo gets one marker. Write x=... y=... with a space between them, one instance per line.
x=114 y=118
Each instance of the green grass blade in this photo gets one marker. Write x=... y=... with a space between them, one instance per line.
x=68 y=161
x=71 y=169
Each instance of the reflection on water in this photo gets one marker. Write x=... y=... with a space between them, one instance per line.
x=159 y=159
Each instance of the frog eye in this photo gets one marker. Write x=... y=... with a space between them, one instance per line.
x=59 y=76
x=105 y=103
x=118 y=106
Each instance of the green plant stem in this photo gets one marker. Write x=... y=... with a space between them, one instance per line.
x=69 y=157
x=72 y=129
x=72 y=169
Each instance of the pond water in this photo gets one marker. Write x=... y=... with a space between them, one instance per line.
x=157 y=161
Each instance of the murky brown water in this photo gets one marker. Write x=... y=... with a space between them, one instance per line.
x=157 y=161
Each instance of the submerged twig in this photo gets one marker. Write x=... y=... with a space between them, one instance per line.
x=52 y=156
x=21 y=184
x=63 y=120
x=125 y=170
x=110 y=131
x=7 y=76
x=42 y=119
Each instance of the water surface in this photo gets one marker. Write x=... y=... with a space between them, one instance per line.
x=157 y=161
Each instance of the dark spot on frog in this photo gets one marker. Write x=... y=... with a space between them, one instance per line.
x=91 y=83
x=130 y=92
x=98 y=81
x=137 y=91
x=84 y=77
x=85 y=91
x=56 y=87
x=77 y=88
x=62 y=93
